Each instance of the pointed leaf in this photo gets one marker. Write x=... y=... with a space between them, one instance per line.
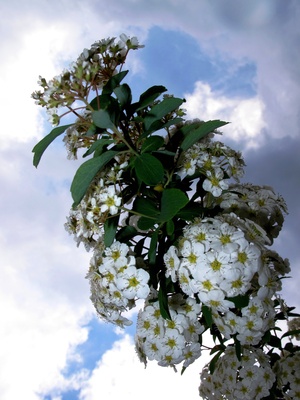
x=145 y=207
x=42 y=145
x=148 y=97
x=163 y=304
x=145 y=223
x=97 y=147
x=123 y=94
x=101 y=119
x=152 y=143
x=113 y=82
x=110 y=229
x=171 y=202
x=152 y=249
x=149 y=169
x=160 y=110
x=86 y=173
x=195 y=135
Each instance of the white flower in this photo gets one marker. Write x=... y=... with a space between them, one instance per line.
x=133 y=283
x=191 y=353
x=214 y=182
x=110 y=201
x=172 y=263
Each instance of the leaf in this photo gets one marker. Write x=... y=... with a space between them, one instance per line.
x=204 y=129
x=163 y=304
x=149 y=96
x=126 y=233
x=152 y=143
x=101 y=119
x=207 y=315
x=239 y=301
x=113 y=82
x=145 y=223
x=97 y=147
x=190 y=211
x=152 y=249
x=123 y=94
x=160 y=110
x=171 y=202
x=146 y=207
x=42 y=145
x=110 y=229
x=170 y=227
x=86 y=173
x=291 y=333
x=213 y=362
x=149 y=169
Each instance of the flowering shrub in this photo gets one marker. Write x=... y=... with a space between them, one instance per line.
x=160 y=205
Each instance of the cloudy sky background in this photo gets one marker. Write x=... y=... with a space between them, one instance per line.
x=232 y=60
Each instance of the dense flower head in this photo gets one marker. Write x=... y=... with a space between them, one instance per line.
x=257 y=203
x=116 y=282
x=170 y=341
x=249 y=378
x=213 y=261
x=288 y=375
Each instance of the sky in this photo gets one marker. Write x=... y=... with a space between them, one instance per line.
x=234 y=60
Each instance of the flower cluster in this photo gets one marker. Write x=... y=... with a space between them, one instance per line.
x=216 y=161
x=170 y=341
x=258 y=203
x=116 y=282
x=288 y=373
x=171 y=228
x=249 y=378
x=90 y=72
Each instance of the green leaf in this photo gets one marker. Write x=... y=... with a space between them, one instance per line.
x=149 y=96
x=126 y=233
x=113 y=82
x=207 y=315
x=152 y=248
x=86 y=173
x=123 y=94
x=160 y=110
x=239 y=301
x=97 y=147
x=110 y=229
x=163 y=304
x=204 y=129
x=146 y=207
x=145 y=223
x=213 y=362
x=170 y=227
x=101 y=119
x=190 y=211
x=238 y=349
x=152 y=143
x=149 y=169
x=171 y=202
x=291 y=333
x=42 y=145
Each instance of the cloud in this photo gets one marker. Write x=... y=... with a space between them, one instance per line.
x=245 y=114
x=119 y=374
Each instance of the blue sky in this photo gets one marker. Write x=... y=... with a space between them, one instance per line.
x=232 y=60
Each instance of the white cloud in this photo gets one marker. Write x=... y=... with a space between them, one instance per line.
x=245 y=115
x=120 y=374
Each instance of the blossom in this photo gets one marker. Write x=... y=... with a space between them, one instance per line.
x=133 y=283
x=110 y=201
x=214 y=182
